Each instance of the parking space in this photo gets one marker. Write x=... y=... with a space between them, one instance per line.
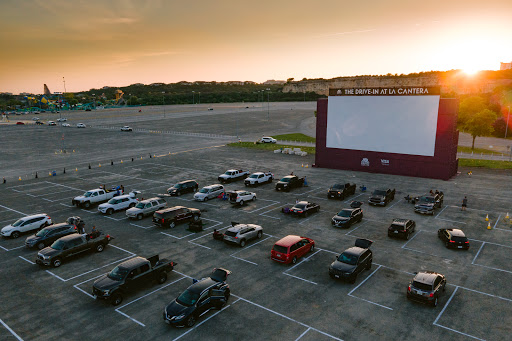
x=494 y=256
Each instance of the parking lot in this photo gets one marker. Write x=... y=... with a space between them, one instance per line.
x=269 y=300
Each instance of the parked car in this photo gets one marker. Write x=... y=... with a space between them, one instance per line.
x=119 y=203
x=95 y=196
x=453 y=238
x=382 y=197
x=146 y=207
x=20 y=123
x=304 y=208
x=183 y=187
x=172 y=216
x=290 y=248
x=208 y=293
x=39 y=123
x=80 y=125
x=66 y=125
x=426 y=287
x=347 y=216
x=131 y=275
x=209 y=192
x=241 y=233
x=68 y=246
x=47 y=235
x=349 y=264
x=341 y=191
x=428 y=203
x=62 y=119
x=126 y=128
x=268 y=139
x=258 y=178
x=26 y=224
x=52 y=123
x=402 y=228
x=289 y=182
x=35 y=118
x=240 y=197
x=233 y=175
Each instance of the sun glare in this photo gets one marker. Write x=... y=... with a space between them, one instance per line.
x=470 y=71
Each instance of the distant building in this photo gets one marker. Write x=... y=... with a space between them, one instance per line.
x=274 y=82
x=137 y=84
x=250 y=83
x=506 y=66
x=235 y=83
x=157 y=84
x=6 y=93
x=25 y=93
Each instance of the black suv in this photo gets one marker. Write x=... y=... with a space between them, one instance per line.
x=347 y=216
x=183 y=187
x=49 y=234
x=402 y=228
x=352 y=261
x=170 y=217
x=454 y=238
x=203 y=295
x=426 y=286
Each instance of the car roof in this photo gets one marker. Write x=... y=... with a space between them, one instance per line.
x=456 y=232
x=232 y=170
x=289 y=240
x=56 y=226
x=71 y=237
x=34 y=216
x=400 y=221
x=170 y=209
x=354 y=250
x=427 y=277
x=150 y=199
x=203 y=284
x=288 y=176
x=210 y=186
x=238 y=227
x=133 y=263
x=184 y=182
x=351 y=209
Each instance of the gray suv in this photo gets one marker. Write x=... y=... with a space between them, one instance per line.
x=146 y=207
x=241 y=233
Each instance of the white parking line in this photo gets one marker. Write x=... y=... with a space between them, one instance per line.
x=480 y=249
x=73 y=188
x=349 y=232
x=301 y=335
x=367 y=278
x=245 y=260
x=302 y=279
x=11 y=331
x=85 y=292
x=496 y=223
x=116 y=219
x=10 y=209
x=14 y=248
x=390 y=207
x=66 y=205
x=314 y=189
x=26 y=260
x=418 y=232
x=444 y=208
x=352 y=199
x=274 y=203
x=144 y=227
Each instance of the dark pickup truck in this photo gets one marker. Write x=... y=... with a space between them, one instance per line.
x=289 y=182
x=341 y=191
x=131 y=275
x=382 y=197
x=428 y=203
x=71 y=245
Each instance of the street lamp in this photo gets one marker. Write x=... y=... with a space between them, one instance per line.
x=268 y=104
x=163 y=101
x=508 y=117
x=199 y=97
x=193 y=97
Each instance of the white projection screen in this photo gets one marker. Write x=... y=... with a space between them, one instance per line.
x=390 y=124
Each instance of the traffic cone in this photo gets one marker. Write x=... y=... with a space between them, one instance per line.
x=49 y=173
x=506 y=217
x=307 y=165
x=19 y=179
x=487 y=218
x=302 y=165
x=99 y=165
x=76 y=169
x=121 y=161
x=489 y=226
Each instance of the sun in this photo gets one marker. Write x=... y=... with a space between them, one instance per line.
x=471 y=70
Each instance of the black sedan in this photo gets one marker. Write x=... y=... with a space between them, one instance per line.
x=304 y=208
x=347 y=216
x=208 y=293
x=453 y=238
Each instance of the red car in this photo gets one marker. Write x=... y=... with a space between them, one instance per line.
x=290 y=248
x=20 y=123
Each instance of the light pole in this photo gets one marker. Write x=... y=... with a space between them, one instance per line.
x=129 y=99
x=508 y=117
x=268 y=104
x=163 y=101
x=193 y=97
x=199 y=97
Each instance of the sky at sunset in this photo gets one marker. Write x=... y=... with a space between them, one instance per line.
x=121 y=42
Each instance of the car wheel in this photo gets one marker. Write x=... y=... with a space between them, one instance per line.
x=40 y=246
x=294 y=260
x=254 y=198
x=242 y=243
x=87 y=204
x=434 y=302
x=195 y=217
x=241 y=202
x=56 y=262
x=312 y=248
x=100 y=247
x=205 y=199
x=172 y=224
x=139 y=216
x=353 y=279
x=15 y=234
x=117 y=299
x=191 y=321
x=162 y=278
x=178 y=193
x=259 y=234
x=110 y=211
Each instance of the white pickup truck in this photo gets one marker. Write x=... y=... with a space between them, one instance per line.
x=258 y=178
x=95 y=196
x=233 y=175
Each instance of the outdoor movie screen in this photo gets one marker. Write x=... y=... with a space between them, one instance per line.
x=402 y=124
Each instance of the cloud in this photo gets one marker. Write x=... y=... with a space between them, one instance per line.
x=121 y=20
x=348 y=32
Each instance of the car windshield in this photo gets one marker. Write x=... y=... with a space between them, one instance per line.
x=344 y=213
x=203 y=190
x=117 y=273
x=348 y=258
x=254 y=176
x=112 y=201
x=87 y=194
x=58 y=245
x=427 y=199
x=140 y=205
x=178 y=186
x=421 y=286
x=337 y=186
x=42 y=233
x=285 y=179
x=300 y=206
x=378 y=192
x=18 y=222
x=187 y=298
x=228 y=173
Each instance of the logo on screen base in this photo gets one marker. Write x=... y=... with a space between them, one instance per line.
x=384 y=162
x=365 y=162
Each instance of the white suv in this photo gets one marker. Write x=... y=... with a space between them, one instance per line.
x=26 y=224
x=209 y=192
x=268 y=139
x=119 y=203
x=146 y=207
x=239 y=197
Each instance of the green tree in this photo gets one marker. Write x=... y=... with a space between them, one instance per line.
x=480 y=124
x=469 y=107
x=289 y=80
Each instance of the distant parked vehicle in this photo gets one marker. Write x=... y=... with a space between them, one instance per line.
x=126 y=128
x=426 y=287
x=80 y=125
x=26 y=224
x=268 y=139
x=183 y=187
x=453 y=238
